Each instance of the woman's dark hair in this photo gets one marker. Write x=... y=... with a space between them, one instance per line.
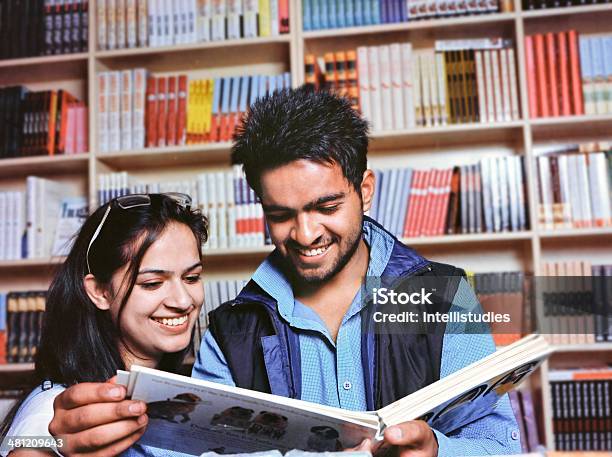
x=79 y=342
x=294 y=124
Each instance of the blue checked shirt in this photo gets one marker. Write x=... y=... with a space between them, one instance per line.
x=332 y=373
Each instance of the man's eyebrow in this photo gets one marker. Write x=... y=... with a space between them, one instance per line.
x=308 y=206
x=165 y=272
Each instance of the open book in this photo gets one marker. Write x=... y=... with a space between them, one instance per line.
x=195 y=416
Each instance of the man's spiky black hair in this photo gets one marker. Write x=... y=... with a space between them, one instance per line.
x=295 y=124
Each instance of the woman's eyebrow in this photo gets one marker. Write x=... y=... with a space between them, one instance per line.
x=161 y=271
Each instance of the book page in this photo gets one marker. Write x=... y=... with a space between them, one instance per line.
x=189 y=417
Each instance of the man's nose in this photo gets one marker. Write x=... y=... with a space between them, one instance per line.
x=307 y=230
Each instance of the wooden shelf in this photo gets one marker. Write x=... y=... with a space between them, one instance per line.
x=43 y=61
x=16 y=367
x=47 y=70
x=446 y=135
x=468 y=238
x=574 y=233
x=454 y=22
x=198 y=154
x=583 y=347
x=224 y=45
x=570 y=10
x=572 y=128
x=45 y=165
x=238 y=252
x=31 y=263
x=562 y=121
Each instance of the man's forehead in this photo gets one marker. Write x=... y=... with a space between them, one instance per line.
x=302 y=182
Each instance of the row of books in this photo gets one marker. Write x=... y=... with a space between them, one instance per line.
x=487 y=197
x=582 y=411
x=575 y=300
x=215 y=106
x=575 y=187
x=141 y=23
x=21 y=315
x=137 y=110
x=43 y=27
x=567 y=74
x=234 y=212
x=29 y=220
x=333 y=14
x=460 y=81
x=41 y=123
x=504 y=292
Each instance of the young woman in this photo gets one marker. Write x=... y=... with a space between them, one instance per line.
x=129 y=292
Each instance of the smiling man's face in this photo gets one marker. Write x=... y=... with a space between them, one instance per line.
x=314 y=216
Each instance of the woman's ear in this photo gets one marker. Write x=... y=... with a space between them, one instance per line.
x=98 y=294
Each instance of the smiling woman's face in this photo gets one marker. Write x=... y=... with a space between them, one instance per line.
x=165 y=302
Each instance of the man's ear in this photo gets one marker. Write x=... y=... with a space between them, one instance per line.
x=367 y=189
x=99 y=295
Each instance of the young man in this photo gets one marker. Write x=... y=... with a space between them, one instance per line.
x=296 y=328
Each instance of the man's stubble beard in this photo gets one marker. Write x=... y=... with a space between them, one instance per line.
x=298 y=279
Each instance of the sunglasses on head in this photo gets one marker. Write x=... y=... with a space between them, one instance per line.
x=127 y=202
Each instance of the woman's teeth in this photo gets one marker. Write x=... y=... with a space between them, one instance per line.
x=173 y=322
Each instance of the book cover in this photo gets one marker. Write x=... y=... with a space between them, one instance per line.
x=552 y=68
x=541 y=78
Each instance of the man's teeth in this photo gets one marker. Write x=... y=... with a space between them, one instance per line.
x=171 y=322
x=313 y=252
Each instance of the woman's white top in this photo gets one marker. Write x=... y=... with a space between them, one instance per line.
x=34 y=415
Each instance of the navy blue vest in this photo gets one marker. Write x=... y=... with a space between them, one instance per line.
x=263 y=351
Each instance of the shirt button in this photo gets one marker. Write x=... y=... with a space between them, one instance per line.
x=347 y=385
x=514 y=434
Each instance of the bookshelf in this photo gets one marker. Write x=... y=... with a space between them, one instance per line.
x=418 y=147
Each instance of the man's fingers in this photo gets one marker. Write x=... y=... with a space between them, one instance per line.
x=411 y=433
x=86 y=417
x=87 y=393
x=104 y=436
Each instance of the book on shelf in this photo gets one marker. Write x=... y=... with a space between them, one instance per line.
x=31 y=28
x=137 y=109
x=576 y=302
x=22 y=316
x=3 y=329
x=568 y=74
x=123 y=24
x=28 y=220
x=582 y=420
x=72 y=214
x=486 y=197
x=234 y=212
x=335 y=14
x=198 y=415
x=397 y=87
x=51 y=122
x=574 y=186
